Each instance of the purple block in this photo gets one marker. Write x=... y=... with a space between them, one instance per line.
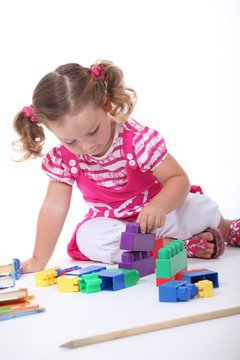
x=127 y=257
x=139 y=261
x=132 y=239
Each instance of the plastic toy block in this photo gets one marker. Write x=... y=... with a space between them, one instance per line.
x=68 y=283
x=131 y=277
x=86 y=270
x=172 y=258
x=178 y=276
x=141 y=261
x=194 y=277
x=132 y=239
x=157 y=246
x=161 y=281
x=46 y=277
x=61 y=272
x=112 y=281
x=18 y=269
x=205 y=288
x=90 y=283
x=175 y=290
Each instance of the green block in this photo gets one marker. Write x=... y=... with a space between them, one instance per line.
x=90 y=283
x=131 y=277
x=172 y=258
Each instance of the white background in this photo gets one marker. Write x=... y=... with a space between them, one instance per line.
x=181 y=57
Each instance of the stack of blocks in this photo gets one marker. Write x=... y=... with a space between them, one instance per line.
x=87 y=280
x=90 y=281
x=139 y=246
x=172 y=260
x=183 y=285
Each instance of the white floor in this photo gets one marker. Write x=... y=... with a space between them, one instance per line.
x=71 y=316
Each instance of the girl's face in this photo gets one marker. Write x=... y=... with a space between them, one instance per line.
x=89 y=132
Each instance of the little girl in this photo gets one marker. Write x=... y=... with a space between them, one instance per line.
x=122 y=168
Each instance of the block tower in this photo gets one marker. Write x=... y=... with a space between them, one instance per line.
x=139 y=246
x=172 y=260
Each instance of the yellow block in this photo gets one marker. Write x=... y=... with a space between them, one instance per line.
x=67 y=283
x=46 y=277
x=205 y=288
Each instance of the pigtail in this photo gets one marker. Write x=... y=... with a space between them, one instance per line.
x=31 y=137
x=123 y=98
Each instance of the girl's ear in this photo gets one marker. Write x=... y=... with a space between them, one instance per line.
x=108 y=105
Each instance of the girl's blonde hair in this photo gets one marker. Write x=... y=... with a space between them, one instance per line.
x=66 y=91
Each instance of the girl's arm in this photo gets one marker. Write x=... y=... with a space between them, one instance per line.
x=50 y=222
x=176 y=186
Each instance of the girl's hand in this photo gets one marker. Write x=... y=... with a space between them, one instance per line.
x=31 y=265
x=151 y=217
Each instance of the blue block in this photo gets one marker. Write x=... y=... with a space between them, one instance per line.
x=194 y=277
x=59 y=271
x=87 y=270
x=175 y=290
x=112 y=281
x=18 y=271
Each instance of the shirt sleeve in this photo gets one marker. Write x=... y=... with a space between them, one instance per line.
x=54 y=166
x=150 y=148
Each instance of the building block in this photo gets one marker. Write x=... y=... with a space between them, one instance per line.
x=90 y=283
x=132 y=239
x=175 y=290
x=18 y=269
x=131 y=277
x=68 y=283
x=205 y=288
x=86 y=270
x=160 y=281
x=194 y=277
x=61 y=272
x=139 y=260
x=172 y=258
x=112 y=281
x=178 y=276
x=46 y=277
x=157 y=246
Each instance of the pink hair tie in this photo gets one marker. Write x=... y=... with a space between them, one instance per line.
x=97 y=72
x=28 y=113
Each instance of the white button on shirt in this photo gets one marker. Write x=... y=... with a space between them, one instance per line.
x=72 y=162
x=73 y=170
x=132 y=162
x=129 y=156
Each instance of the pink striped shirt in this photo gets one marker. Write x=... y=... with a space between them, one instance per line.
x=110 y=170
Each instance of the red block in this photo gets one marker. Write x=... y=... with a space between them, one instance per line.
x=158 y=245
x=178 y=276
x=160 y=281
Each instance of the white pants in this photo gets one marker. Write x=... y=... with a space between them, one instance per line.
x=99 y=238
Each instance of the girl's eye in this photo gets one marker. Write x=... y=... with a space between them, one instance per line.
x=95 y=131
x=70 y=143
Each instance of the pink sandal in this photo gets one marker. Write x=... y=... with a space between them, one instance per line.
x=234 y=233
x=193 y=245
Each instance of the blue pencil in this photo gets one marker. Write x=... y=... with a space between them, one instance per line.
x=26 y=313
